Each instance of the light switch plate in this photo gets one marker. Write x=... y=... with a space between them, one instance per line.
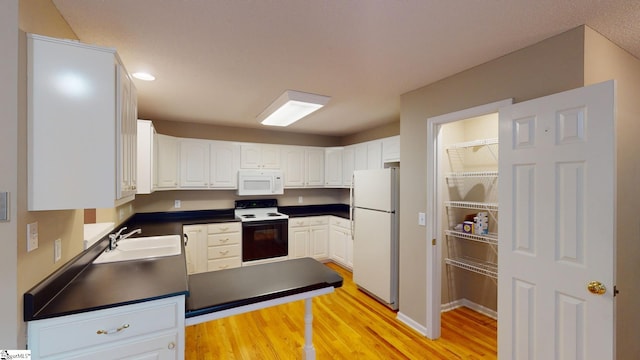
x=32 y=236
x=4 y=206
x=177 y=204
x=421 y=219
x=57 y=250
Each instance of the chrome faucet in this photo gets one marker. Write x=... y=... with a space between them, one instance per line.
x=114 y=238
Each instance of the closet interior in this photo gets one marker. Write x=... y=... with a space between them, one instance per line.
x=468 y=183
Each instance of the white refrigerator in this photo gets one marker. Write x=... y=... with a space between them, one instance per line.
x=375 y=196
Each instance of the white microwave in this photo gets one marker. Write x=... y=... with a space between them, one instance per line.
x=260 y=182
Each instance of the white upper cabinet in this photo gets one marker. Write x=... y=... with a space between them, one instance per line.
x=391 y=149
x=293 y=160
x=145 y=164
x=303 y=166
x=194 y=163
x=126 y=125
x=225 y=162
x=314 y=167
x=348 y=164
x=260 y=156
x=374 y=154
x=167 y=164
x=333 y=167
x=79 y=154
x=360 y=160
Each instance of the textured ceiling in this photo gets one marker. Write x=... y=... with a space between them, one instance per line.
x=223 y=61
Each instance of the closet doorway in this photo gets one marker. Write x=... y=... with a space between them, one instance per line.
x=462 y=212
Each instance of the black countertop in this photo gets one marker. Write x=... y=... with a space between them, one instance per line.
x=220 y=290
x=339 y=210
x=81 y=286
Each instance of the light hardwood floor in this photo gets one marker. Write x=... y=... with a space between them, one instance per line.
x=347 y=324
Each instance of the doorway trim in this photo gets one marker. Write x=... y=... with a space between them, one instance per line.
x=434 y=205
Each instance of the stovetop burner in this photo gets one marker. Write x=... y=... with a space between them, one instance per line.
x=256 y=210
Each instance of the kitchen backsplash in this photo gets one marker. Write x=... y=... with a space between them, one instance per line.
x=224 y=199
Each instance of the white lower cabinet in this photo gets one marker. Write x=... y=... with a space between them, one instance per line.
x=212 y=247
x=341 y=242
x=147 y=330
x=309 y=237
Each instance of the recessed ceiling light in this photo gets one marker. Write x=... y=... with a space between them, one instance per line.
x=143 y=76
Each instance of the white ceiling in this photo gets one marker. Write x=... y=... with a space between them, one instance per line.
x=224 y=61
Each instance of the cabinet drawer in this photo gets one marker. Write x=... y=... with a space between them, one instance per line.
x=74 y=332
x=223 y=239
x=299 y=221
x=217 y=252
x=160 y=347
x=221 y=264
x=318 y=220
x=340 y=222
x=224 y=228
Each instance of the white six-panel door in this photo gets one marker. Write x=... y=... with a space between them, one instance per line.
x=557 y=204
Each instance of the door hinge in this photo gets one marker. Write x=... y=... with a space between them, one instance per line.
x=615 y=290
x=433 y=242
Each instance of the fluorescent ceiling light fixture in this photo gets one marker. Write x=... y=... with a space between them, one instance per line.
x=143 y=76
x=290 y=107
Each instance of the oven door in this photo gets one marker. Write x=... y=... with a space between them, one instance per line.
x=265 y=239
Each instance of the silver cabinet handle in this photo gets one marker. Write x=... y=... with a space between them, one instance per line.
x=186 y=239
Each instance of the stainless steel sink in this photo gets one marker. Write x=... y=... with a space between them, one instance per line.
x=142 y=248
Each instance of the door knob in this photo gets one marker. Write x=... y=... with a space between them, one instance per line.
x=596 y=287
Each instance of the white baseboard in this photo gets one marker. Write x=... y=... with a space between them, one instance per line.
x=471 y=305
x=422 y=330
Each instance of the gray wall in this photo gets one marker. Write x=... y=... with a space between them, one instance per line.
x=548 y=67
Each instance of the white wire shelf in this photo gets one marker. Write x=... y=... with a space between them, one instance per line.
x=482 y=268
x=472 y=205
x=488 y=239
x=472 y=174
x=468 y=144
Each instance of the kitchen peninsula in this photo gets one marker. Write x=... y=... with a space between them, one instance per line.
x=80 y=290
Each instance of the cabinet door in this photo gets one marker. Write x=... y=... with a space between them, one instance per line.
x=374 y=154
x=71 y=143
x=298 y=242
x=260 y=156
x=319 y=241
x=167 y=162
x=348 y=164
x=250 y=156
x=145 y=163
x=271 y=156
x=391 y=149
x=293 y=165
x=314 y=167
x=123 y=131
x=333 y=167
x=360 y=157
x=225 y=162
x=195 y=248
x=194 y=164
x=338 y=245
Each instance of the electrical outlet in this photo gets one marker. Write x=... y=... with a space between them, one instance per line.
x=57 y=250
x=32 y=236
x=177 y=204
x=120 y=214
x=299 y=199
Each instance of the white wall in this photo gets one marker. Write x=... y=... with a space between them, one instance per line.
x=9 y=313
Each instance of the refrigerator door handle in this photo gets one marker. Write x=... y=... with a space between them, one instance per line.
x=351 y=204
